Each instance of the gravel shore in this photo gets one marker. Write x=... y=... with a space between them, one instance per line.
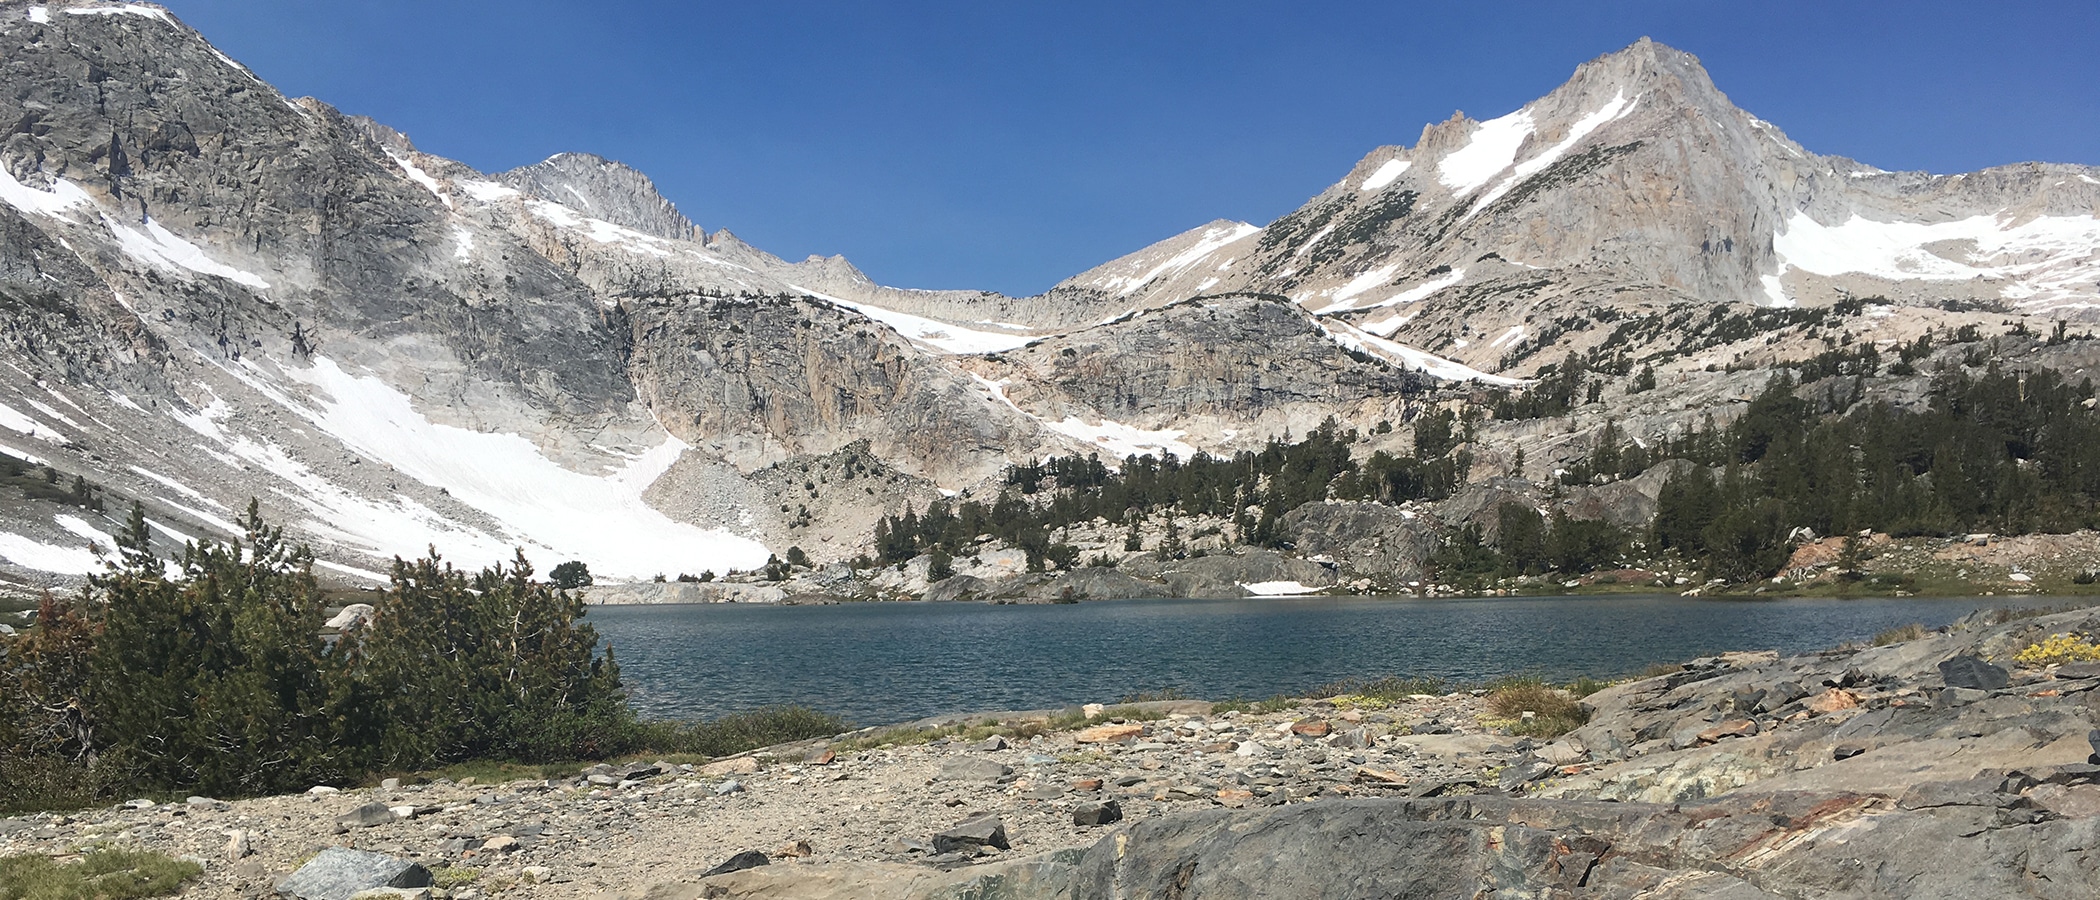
x=616 y=830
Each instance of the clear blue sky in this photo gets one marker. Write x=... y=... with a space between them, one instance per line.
x=1007 y=145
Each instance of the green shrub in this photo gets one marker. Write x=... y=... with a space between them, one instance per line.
x=1899 y=634
x=107 y=874
x=218 y=679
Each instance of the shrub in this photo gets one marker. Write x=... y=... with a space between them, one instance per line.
x=2058 y=649
x=218 y=678
x=1553 y=711
x=495 y=665
x=1899 y=634
x=106 y=874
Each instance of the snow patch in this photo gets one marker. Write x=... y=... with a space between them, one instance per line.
x=29 y=458
x=1210 y=242
x=1775 y=289
x=34 y=554
x=40 y=15
x=1408 y=357
x=1386 y=174
x=1386 y=326
x=1315 y=239
x=568 y=515
x=462 y=243
x=367 y=574
x=600 y=230
x=421 y=177
x=81 y=528
x=47 y=409
x=15 y=421
x=62 y=196
x=1512 y=337
x=1120 y=440
x=128 y=9
x=1377 y=277
x=1492 y=148
x=176 y=486
x=935 y=335
x=1123 y=441
x=161 y=248
x=1278 y=589
x=1421 y=291
x=2046 y=259
x=485 y=191
x=1618 y=108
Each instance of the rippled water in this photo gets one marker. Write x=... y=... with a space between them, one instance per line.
x=890 y=662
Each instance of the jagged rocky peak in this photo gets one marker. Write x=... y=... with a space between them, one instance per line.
x=602 y=189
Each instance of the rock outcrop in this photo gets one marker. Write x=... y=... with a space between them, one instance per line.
x=1857 y=773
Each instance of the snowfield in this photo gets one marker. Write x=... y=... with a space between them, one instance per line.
x=2045 y=259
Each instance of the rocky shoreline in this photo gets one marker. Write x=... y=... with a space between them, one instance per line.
x=1929 y=767
x=1980 y=565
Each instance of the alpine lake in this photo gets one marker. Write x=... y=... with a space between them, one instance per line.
x=883 y=663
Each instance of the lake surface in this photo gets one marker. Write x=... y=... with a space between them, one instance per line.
x=879 y=663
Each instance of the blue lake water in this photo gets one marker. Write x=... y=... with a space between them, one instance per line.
x=877 y=663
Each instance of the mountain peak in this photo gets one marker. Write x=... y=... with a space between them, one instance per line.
x=603 y=189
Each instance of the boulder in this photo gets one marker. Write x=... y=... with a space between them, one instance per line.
x=1088 y=815
x=1973 y=672
x=984 y=831
x=340 y=873
x=1311 y=728
x=749 y=859
x=368 y=815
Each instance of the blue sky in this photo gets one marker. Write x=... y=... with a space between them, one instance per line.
x=1005 y=145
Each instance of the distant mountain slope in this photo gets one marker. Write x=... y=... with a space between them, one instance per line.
x=210 y=292
x=1635 y=174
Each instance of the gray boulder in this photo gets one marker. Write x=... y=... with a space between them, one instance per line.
x=340 y=873
x=984 y=831
x=368 y=815
x=1972 y=672
x=1088 y=815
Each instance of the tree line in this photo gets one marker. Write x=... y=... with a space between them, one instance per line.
x=2003 y=451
